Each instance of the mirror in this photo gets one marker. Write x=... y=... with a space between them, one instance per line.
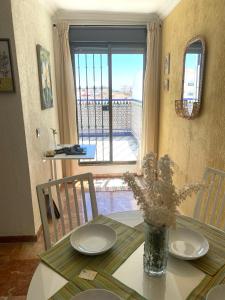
x=193 y=64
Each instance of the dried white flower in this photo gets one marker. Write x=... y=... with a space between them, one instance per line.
x=158 y=197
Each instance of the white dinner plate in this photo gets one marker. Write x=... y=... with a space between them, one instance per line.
x=187 y=244
x=216 y=293
x=93 y=239
x=96 y=294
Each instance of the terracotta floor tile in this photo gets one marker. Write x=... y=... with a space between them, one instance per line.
x=13 y=298
x=31 y=250
x=15 y=276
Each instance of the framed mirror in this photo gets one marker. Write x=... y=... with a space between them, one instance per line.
x=193 y=67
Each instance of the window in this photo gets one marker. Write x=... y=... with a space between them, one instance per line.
x=108 y=67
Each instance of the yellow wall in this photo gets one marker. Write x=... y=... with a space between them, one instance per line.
x=32 y=26
x=16 y=214
x=198 y=143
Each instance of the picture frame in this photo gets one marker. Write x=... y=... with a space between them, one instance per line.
x=167 y=64
x=44 y=72
x=7 y=84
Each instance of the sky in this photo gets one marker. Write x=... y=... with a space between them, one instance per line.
x=125 y=69
x=191 y=60
x=191 y=78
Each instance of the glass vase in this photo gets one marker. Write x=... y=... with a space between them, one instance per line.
x=155 y=249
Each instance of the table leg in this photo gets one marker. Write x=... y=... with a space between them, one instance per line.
x=55 y=169
x=51 y=168
x=53 y=177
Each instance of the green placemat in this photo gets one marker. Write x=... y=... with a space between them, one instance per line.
x=214 y=260
x=67 y=262
x=102 y=281
x=200 y=292
x=67 y=292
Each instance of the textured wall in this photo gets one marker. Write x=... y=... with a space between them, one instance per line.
x=198 y=143
x=16 y=214
x=32 y=25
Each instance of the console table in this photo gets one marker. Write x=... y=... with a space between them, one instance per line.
x=90 y=154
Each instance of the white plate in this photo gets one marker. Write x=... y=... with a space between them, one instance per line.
x=96 y=294
x=93 y=239
x=187 y=244
x=216 y=293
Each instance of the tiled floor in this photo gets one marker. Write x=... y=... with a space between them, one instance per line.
x=19 y=260
x=110 y=184
x=125 y=148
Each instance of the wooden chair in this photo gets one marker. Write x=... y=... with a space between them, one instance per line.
x=71 y=196
x=210 y=205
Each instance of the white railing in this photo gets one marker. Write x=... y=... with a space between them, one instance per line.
x=93 y=117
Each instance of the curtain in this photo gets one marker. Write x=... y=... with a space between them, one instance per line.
x=150 y=121
x=65 y=93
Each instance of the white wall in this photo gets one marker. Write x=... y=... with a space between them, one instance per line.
x=16 y=213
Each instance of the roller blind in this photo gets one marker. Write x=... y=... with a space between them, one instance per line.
x=115 y=35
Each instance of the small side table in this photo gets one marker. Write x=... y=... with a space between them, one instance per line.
x=90 y=154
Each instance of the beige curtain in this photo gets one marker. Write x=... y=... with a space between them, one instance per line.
x=65 y=93
x=150 y=121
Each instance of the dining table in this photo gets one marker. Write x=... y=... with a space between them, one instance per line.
x=183 y=279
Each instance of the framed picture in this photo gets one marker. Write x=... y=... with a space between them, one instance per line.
x=167 y=64
x=6 y=71
x=44 y=71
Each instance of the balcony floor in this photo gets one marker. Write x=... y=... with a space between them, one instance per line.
x=125 y=148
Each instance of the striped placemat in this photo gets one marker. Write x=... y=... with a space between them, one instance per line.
x=200 y=292
x=213 y=263
x=67 y=292
x=67 y=262
x=102 y=281
x=214 y=260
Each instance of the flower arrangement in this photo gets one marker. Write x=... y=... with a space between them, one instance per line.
x=158 y=198
x=54 y=133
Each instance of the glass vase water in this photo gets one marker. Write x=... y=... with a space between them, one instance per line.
x=155 y=249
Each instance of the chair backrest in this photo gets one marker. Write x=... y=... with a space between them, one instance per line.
x=70 y=195
x=210 y=205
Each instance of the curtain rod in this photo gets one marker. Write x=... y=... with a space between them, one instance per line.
x=140 y=26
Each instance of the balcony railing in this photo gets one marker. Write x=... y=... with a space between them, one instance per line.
x=94 y=121
x=93 y=117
